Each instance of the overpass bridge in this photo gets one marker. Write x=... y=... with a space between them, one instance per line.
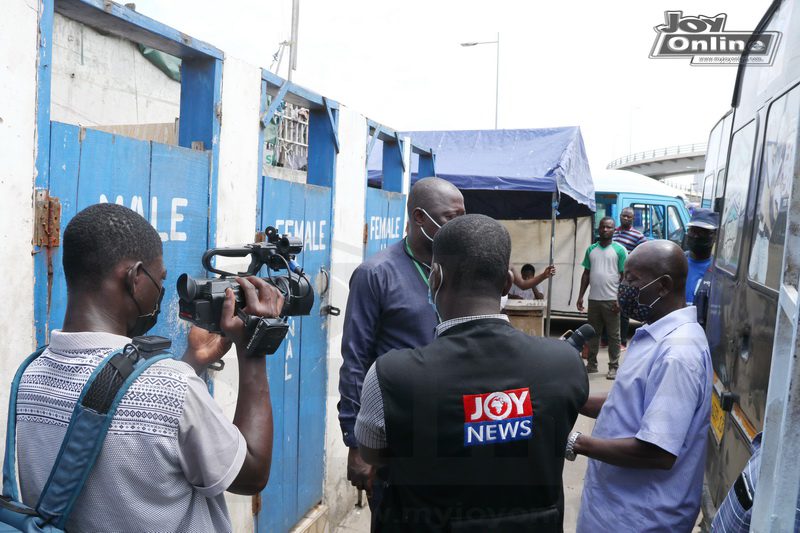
x=679 y=166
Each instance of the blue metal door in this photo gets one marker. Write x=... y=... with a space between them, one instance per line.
x=298 y=370
x=385 y=212
x=168 y=185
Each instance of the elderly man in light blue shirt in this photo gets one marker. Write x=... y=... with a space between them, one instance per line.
x=648 y=446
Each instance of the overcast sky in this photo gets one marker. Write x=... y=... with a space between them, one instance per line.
x=562 y=63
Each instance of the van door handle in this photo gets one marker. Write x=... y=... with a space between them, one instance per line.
x=727 y=399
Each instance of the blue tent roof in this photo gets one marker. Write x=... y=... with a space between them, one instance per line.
x=533 y=160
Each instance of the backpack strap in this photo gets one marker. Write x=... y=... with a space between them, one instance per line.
x=87 y=430
x=10 y=488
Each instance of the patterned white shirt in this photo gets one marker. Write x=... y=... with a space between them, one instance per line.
x=169 y=454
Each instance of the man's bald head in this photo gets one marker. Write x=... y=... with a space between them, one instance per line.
x=428 y=193
x=431 y=203
x=660 y=258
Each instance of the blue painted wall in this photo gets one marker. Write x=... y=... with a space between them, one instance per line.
x=90 y=166
x=384 y=219
x=173 y=187
x=298 y=370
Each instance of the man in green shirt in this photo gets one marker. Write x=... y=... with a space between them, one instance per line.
x=603 y=263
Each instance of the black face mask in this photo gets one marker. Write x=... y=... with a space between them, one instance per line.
x=145 y=322
x=699 y=245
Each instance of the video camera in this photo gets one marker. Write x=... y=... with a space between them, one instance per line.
x=201 y=300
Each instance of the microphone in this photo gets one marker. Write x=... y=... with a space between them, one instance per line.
x=578 y=338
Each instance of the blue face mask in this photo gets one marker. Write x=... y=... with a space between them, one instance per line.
x=432 y=297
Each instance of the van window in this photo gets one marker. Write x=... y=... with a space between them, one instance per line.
x=708 y=192
x=777 y=169
x=712 y=163
x=736 y=189
x=649 y=219
x=676 y=229
x=719 y=182
x=602 y=210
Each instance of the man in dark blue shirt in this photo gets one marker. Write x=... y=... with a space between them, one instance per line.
x=388 y=309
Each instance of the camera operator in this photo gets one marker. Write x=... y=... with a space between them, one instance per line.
x=170 y=453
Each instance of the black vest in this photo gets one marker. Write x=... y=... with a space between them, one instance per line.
x=477 y=423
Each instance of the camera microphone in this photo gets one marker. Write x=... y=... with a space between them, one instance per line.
x=578 y=338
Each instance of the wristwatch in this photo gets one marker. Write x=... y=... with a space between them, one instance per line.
x=569 y=453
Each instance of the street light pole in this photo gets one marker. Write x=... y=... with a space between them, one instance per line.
x=497 y=72
x=293 y=38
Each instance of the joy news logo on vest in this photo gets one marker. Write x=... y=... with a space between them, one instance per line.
x=495 y=417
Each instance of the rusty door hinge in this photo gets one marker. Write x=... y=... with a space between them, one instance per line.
x=256 y=504
x=47 y=220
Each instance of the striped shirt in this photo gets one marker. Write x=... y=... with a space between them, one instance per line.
x=731 y=516
x=629 y=238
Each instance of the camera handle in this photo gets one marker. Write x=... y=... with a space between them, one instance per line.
x=227 y=252
x=257 y=260
x=266 y=334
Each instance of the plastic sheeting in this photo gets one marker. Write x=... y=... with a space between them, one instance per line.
x=530 y=243
x=533 y=160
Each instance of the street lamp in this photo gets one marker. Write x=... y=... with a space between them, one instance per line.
x=497 y=73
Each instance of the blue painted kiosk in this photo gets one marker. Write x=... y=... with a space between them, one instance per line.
x=77 y=167
x=386 y=200
x=298 y=370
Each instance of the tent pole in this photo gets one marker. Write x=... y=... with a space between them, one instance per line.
x=552 y=251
